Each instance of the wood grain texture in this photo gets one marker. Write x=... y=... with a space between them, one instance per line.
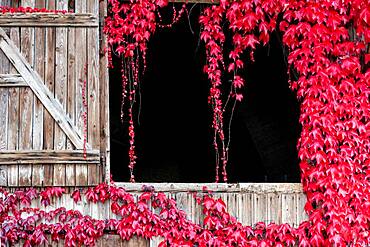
x=12 y=80
x=26 y=95
x=48 y=142
x=3 y=132
x=104 y=97
x=48 y=20
x=4 y=110
x=81 y=61
x=14 y=121
x=60 y=87
x=40 y=90
x=49 y=156
x=71 y=97
x=38 y=116
x=93 y=91
x=219 y=187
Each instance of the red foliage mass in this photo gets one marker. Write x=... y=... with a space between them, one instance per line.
x=328 y=42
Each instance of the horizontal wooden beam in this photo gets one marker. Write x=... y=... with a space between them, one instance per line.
x=219 y=187
x=12 y=80
x=12 y=157
x=48 y=20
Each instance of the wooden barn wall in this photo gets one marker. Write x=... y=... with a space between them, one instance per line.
x=249 y=203
x=64 y=56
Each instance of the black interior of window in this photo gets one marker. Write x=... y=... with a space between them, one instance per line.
x=173 y=131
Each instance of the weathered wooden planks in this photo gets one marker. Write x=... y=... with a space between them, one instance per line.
x=81 y=77
x=4 y=96
x=50 y=44
x=50 y=52
x=241 y=202
x=49 y=156
x=60 y=91
x=39 y=89
x=71 y=97
x=93 y=90
x=26 y=95
x=48 y=20
x=12 y=80
x=218 y=187
x=14 y=115
x=38 y=109
x=104 y=97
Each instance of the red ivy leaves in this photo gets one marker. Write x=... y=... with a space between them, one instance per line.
x=328 y=44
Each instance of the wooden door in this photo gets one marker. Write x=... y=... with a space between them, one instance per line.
x=49 y=95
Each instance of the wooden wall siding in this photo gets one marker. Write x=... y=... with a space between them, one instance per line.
x=104 y=96
x=58 y=49
x=249 y=203
x=48 y=19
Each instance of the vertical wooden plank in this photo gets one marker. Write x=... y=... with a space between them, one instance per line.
x=301 y=202
x=104 y=97
x=26 y=100
x=61 y=66
x=3 y=131
x=247 y=208
x=48 y=142
x=81 y=59
x=288 y=209
x=38 y=119
x=135 y=242
x=232 y=206
x=241 y=216
x=71 y=98
x=274 y=208
x=4 y=109
x=14 y=121
x=93 y=91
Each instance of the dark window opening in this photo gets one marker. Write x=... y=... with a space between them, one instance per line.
x=174 y=135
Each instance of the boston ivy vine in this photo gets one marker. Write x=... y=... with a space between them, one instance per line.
x=328 y=44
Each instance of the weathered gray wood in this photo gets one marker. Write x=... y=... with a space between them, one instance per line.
x=93 y=91
x=71 y=98
x=49 y=156
x=49 y=83
x=12 y=80
x=13 y=128
x=48 y=20
x=220 y=187
x=26 y=96
x=39 y=89
x=3 y=132
x=81 y=61
x=38 y=116
x=104 y=97
x=288 y=207
x=4 y=111
x=60 y=87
